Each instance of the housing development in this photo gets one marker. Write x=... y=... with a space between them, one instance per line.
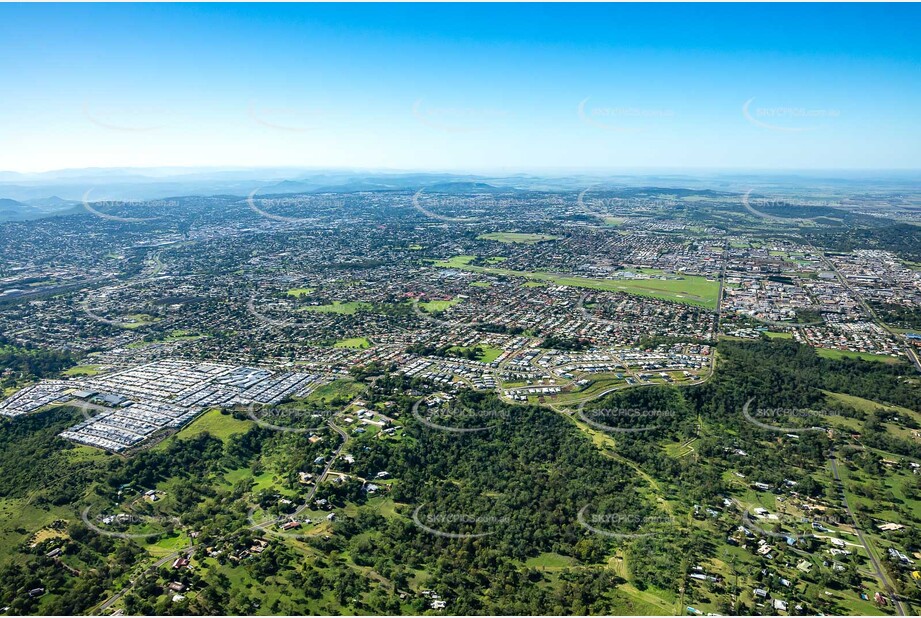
x=460 y=309
x=217 y=384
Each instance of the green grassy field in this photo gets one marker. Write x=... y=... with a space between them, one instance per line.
x=549 y=560
x=82 y=370
x=433 y=306
x=345 y=389
x=690 y=290
x=265 y=480
x=517 y=237
x=489 y=354
x=137 y=320
x=866 y=405
x=298 y=292
x=839 y=354
x=221 y=426
x=181 y=335
x=457 y=261
x=176 y=335
x=779 y=335
x=353 y=342
x=347 y=308
x=19 y=519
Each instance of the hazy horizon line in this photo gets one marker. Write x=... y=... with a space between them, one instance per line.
x=459 y=170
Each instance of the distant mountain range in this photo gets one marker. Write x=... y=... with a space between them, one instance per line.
x=30 y=196
x=13 y=210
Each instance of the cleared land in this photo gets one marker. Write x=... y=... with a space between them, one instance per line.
x=219 y=425
x=774 y=335
x=353 y=342
x=488 y=355
x=347 y=308
x=688 y=289
x=433 y=306
x=335 y=390
x=517 y=237
x=82 y=370
x=839 y=354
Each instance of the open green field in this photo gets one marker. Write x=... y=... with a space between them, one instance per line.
x=261 y=481
x=137 y=320
x=19 y=518
x=298 y=292
x=690 y=290
x=221 y=426
x=517 y=237
x=434 y=306
x=82 y=370
x=353 y=342
x=772 y=335
x=176 y=335
x=457 y=261
x=489 y=354
x=866 y=405
x=347 y=308
x=549 y=560
x=181 y=335
x=481 y=284
x=839 y=354
x=337 y=389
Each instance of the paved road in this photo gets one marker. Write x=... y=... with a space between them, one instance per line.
x=881 y=575
x=329 y=465
x=188 y=550
x=909 y=351
x=313 y=490
x=156 y=565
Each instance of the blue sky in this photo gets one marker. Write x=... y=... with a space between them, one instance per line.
x=461 y=87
